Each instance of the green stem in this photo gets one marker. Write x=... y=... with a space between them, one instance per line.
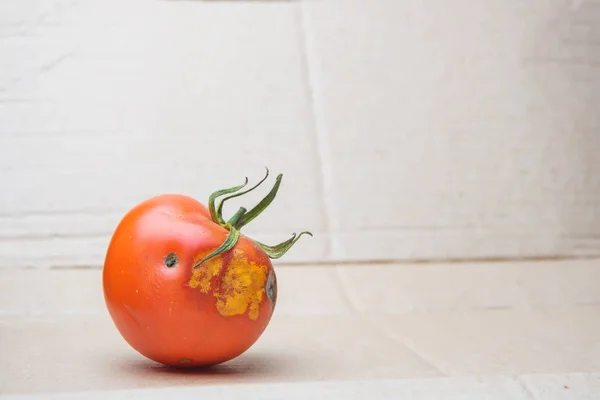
x=242 y=217
x=216 y=217
x=232 y=238
x=235 y=220
x=222 y=202
x=227 y=245
x=262 y=205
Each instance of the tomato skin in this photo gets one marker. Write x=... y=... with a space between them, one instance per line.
x=180 y=315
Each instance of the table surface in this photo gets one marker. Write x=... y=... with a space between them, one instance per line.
x=513 y=330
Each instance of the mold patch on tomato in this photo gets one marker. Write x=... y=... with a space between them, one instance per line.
x=241 y=287
x=202 y=276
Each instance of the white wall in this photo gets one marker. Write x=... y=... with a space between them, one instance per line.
x=405 y=129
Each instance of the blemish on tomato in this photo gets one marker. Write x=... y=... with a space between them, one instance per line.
x=131 y=315
x=185 y=361
x=242 y=287
x=271 y=287
x=171 y=260
x=202 y=276
x=242 y=284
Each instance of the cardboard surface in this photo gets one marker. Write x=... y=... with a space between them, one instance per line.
x=526 y=387
x=521 y=329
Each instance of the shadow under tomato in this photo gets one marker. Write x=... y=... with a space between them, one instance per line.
x=250 y=367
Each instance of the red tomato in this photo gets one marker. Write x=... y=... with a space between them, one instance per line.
x=184 y=287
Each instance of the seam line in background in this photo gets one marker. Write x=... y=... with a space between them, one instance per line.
x=320 y=143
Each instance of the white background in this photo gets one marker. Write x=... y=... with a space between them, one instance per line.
x=406 y=130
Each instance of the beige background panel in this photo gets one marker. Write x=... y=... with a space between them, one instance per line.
x=405 y=130
x=102 y=109
x=458 y=129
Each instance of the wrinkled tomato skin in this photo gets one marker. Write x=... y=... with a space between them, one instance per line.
x=179 y=315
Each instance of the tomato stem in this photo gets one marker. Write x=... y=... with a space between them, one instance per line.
x=227 y=245
x=222 y=202
x=242 y=217
x=234 y=221
x=263 y=204
x=216 y=217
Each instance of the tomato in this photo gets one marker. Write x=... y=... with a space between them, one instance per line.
x=184 y=287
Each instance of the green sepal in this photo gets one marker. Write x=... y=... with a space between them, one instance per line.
x=280 y=249
x=222 y=202
x=216 y=217
x=242 y=217
x=227 y=245
x=262 y=205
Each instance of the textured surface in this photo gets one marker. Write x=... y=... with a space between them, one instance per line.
x=526 y=387
x=501 y=330
x=458 y=129
x=405 y=130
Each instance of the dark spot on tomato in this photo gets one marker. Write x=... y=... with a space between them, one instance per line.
x=185 y=361
x=271 y=287
x=171 y=259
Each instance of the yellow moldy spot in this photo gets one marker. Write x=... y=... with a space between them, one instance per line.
x=242 y=287
x=242 y=284
x=202 y=275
